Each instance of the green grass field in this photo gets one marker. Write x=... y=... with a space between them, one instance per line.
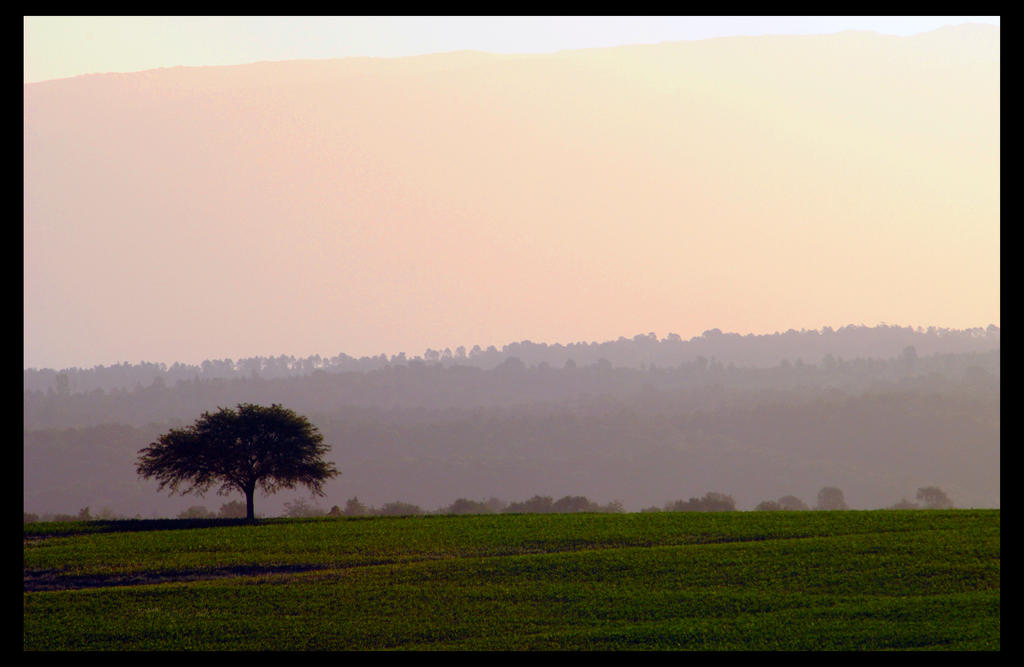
x=871 y=580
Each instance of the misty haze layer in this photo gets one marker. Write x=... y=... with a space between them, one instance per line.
x=389 y=205
x=428 y=433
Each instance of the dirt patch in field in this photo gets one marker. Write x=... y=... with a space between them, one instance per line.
x=57 y=580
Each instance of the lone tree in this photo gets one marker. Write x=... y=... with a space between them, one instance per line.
x=792 y=504
x=934 y=498
x=831 y=498
x=254 y=446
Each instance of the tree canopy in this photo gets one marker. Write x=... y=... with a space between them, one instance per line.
x=241 y=449
x=934 y=498
x=831 y=498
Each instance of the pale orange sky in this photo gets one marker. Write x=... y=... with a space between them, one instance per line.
x=63 y=46
x=366 y=207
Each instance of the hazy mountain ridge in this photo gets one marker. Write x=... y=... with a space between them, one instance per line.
x=980 y=41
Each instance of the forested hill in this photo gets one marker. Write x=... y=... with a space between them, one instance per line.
x=642 y=351
x=417 y=385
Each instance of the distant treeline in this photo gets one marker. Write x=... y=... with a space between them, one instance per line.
x=640 y=351
x=700 y=384
x=829 y=498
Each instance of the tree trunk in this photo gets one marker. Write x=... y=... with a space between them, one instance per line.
x=250 y=513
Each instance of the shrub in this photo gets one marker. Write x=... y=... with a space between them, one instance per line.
x=299 y=508
x=196 y=512
x=232 y=510
x=399 y=509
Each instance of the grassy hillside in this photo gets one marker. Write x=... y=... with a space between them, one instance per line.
x=692 y=581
